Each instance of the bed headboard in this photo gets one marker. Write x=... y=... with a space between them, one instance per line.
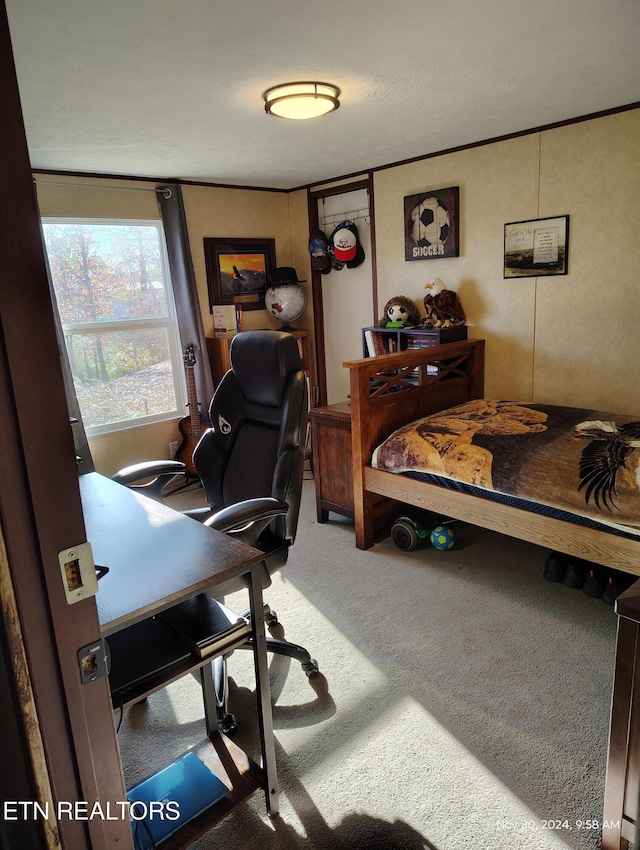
x=393 y=389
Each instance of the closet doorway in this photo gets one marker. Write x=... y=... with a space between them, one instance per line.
x=343 y=299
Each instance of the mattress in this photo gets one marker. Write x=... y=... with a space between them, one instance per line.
x=572 y=463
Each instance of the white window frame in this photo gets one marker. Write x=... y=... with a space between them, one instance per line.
x=170 y=322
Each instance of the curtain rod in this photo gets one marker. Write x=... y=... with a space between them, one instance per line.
x=164 y=189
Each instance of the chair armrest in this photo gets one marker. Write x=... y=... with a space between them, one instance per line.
x=147 y=469
x=159 y=471
x=201 y=514
x=256 y=512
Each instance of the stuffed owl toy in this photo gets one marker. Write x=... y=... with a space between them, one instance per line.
x=398 y=312
x=443 y=306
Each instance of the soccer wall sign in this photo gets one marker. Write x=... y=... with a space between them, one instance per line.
x=431 y=226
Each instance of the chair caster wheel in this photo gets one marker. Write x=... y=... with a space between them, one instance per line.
x=228 y=725
x=271 y=619
x=311 y=668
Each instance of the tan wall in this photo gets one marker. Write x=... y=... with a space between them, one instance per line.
x=220 y=212
x=587 y=339
x=212 y=211
x=95 y=197
x=563 y=339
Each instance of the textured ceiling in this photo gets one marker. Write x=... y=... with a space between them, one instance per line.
x=172 y=88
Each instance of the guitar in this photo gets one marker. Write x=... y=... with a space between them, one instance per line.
x=191 y=427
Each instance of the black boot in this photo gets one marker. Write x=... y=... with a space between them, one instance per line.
x=555 y=567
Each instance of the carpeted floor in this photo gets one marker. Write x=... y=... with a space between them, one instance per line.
x=464 y=701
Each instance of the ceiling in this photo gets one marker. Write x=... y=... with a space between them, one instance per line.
x=169 y=89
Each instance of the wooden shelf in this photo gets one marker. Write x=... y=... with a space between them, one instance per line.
x=218 y=349
x=392 y=340
x=125 y=698
x=242 y=776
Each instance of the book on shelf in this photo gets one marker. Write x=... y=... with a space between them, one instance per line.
x=371 y=346
x=228 y=320
x=379 y=342
x=422 y=341
x=205 y=624
x=426 y=337
x=186 y=788
x=239 y=317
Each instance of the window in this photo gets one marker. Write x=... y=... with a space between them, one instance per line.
x=115 y=300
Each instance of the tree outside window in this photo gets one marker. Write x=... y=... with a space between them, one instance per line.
x=116 y=306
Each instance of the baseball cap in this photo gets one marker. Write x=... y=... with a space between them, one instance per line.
x=319 y=250
x=358 y=257
x=345 y=241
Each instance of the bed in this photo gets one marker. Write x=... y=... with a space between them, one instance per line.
x=390 y=391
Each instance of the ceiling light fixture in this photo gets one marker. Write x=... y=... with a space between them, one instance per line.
x=301 y=100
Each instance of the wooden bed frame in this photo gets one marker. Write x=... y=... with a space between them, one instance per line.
x=384 y=396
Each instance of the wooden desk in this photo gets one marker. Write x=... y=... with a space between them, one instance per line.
x=156 y=558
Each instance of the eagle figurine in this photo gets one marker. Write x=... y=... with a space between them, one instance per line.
x=443 y=306
x=603 y=457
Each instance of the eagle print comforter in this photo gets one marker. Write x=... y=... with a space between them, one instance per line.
x=582 y=461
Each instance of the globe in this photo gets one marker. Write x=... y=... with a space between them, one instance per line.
x=285 y=302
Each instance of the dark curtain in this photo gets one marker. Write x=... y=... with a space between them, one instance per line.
x=184 y=287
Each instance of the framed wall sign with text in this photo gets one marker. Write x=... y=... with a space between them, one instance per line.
x=537 y=247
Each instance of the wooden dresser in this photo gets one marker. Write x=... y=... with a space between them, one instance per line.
x=333 y=466
x=331 y=447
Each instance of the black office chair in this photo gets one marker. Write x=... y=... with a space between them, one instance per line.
x=251 y=465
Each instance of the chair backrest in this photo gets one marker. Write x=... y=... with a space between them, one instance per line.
x=255 y=446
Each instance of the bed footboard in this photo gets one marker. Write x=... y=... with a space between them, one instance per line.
x=393 y=389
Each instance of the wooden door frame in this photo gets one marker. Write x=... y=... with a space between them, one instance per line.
x=69 y=727
x=313 y=196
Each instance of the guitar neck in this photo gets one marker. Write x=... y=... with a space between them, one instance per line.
x=194 y=413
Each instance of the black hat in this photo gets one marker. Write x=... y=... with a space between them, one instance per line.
x=284 y=275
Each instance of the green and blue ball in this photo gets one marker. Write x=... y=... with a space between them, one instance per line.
x=442 y=538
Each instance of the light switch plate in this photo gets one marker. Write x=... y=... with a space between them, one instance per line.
x=78 y=572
